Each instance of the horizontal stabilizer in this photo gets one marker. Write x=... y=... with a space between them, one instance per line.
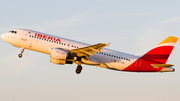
x=161 y=65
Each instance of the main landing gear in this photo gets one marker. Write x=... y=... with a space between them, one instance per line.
x=20 y=55
x=78 y=69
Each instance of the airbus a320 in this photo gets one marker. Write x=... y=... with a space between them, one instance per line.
x=65 y=51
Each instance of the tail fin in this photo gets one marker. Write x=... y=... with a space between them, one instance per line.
x=161 y=52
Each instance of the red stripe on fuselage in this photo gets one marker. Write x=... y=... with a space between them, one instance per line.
x=142 y=65
x=158 y=55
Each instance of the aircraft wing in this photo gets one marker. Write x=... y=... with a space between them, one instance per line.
x=89 y=50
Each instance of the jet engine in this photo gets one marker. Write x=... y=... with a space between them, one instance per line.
x=59 y=56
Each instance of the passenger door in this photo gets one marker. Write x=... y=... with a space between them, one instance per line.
x=24 y=36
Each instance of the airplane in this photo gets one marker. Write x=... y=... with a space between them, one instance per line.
x=65 y=51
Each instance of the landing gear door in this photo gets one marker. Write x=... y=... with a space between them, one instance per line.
x=24 y=36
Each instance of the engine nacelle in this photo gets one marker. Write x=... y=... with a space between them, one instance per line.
x=56 y=61
x=58 y=56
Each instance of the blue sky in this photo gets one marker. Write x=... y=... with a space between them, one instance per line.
x=133 y=26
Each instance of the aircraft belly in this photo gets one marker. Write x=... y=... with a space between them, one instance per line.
x=118 y=65
x=112 y=64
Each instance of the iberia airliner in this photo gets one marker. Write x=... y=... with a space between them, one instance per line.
x=65 y=51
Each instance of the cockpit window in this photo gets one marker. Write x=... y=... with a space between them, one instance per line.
x=13 y=32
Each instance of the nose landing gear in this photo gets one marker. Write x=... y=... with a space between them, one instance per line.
x=20 y=55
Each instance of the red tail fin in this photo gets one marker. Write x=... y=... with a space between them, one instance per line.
x=161 y=52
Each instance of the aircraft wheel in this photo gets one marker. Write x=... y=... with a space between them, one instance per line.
x=20 y=55
x=78 y=69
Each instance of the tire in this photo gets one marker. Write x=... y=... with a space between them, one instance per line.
x=20 y=55
x=78 y=69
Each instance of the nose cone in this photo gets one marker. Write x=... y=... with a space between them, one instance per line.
x=3 y=36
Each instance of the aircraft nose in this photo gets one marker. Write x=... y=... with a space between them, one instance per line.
x=6 y=37
x=3 y=36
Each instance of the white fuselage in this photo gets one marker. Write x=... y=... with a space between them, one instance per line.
x=42 y=42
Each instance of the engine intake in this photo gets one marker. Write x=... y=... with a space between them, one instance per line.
x=56 y=61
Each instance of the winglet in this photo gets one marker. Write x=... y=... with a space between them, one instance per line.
x=108 y=44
